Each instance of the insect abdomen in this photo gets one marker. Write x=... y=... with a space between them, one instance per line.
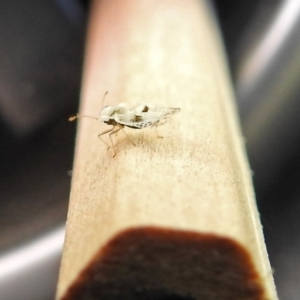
x=134 y=127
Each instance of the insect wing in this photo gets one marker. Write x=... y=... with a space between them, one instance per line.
x=143 y=115
x=139 y=121
x=160 y=113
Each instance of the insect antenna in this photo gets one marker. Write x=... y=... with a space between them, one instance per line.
x=73 y=118
x=104 y=98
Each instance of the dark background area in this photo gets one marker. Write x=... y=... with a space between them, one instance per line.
x=41 y=56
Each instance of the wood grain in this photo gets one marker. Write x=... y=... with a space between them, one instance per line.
x=192 y=185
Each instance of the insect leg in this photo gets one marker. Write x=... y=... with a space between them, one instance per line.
x=104 y=132
x=114 y=131
x=128 y=137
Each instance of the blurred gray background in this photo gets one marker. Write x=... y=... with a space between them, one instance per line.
x=41 y=54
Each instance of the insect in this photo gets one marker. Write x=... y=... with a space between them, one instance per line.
x=139 y=116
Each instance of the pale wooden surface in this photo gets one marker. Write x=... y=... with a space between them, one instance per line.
x=196 y=177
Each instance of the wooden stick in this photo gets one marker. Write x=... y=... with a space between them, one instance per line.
x=171 y=217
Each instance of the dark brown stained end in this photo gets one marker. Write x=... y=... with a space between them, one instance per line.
x=160 y=264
